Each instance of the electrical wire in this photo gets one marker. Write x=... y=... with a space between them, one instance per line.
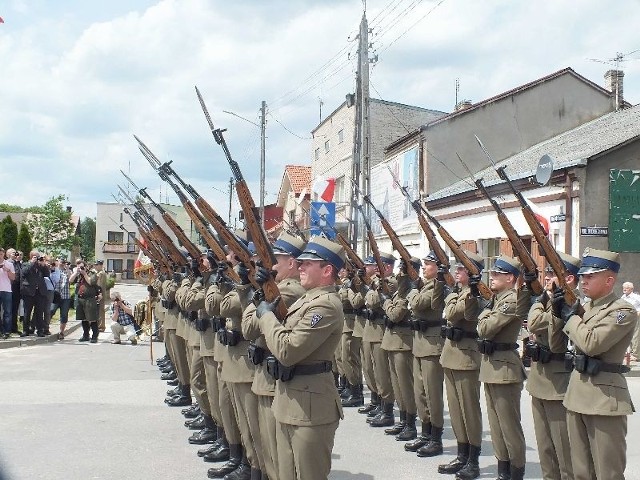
x=287 y=129
x=413 y=25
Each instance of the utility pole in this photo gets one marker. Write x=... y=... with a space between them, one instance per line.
x=361 y=167
x=263 y=124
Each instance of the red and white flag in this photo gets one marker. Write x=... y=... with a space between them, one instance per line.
x=325 y=188
x=544 y=221
x=142 y=260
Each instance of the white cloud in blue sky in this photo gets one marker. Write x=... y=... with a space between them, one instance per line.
x=79 y=78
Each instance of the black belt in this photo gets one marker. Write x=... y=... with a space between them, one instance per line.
x=420 y=325
x=313 y=369
x=202 y=324
x=349 y=311
x=171 y=304
x=257 y=354
x=230 y=338
x=488 y=347
x=456 y=334
x=391 y=325
x=164 y=303
x=192 y=315
x=284 y=374
x=592 y=366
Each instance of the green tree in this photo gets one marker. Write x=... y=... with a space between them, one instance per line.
x=8 y=232
x=88 y=239
x=24 y=242
x=52 y=229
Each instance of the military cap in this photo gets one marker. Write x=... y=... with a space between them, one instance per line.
x=506 y=264
x=385 y=257
x=319 y=248
x=594 y=261
x=475 y=258
x=430 y=257
x=287 y=244
x=370 y=260
x=571 y=264
x=415 y=263
x=99 y=262
x=252 y=248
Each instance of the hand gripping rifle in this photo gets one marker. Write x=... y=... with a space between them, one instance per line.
x=375 y=250
x=157 y=232
x=538 y=232
x=253 y=224
x=185 y=241
x=518 y=246
x=439 y=252
x=395 y=240
x=164 y=171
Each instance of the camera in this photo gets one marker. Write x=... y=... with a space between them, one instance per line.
x=82 y=268
x=41 y=259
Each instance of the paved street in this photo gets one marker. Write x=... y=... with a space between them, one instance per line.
x=82 y=411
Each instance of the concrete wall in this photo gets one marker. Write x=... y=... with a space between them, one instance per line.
x=508 y=126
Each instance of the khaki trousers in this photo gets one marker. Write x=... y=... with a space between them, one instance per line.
x=401 y=368
x=552 y=437
x=432 y=379
x=213 y=389
x=227 y=415
x=268 y=426
x=598 y=446
x=381 y=372
x=337 y=356
x=304 y=453
x=199 y=381
x=351 y=362
x=179 y=357
x=245 y=407
x=463 y=396
x=367 y=365
x=420 y=394
x=505 y=423
x=101 y=315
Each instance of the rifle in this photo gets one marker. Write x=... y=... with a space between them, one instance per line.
x=197 y=218
x=374 y=249
x=253 y=224
x=439 y=252
x=183 y=240
x=395 y=240
x=157 y=233
x=521 y=251
x=538 y=232
x=148 y=251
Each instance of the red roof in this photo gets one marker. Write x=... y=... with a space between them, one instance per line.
x=299 y=178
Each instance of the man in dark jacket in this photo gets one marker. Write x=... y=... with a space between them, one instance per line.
x=34 y=294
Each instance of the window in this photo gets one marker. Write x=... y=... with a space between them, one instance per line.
x=115 y=237
x=339 y=196
x=317 y=154
x=327 y=145
x=121 y=216
x=340 y=136
x=114 y=265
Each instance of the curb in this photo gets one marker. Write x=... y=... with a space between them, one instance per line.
x=33 y=340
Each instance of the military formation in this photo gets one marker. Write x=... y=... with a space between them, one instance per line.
x=274 y=339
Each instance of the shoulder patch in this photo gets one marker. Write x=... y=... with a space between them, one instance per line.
x=315 y=319
x=505 y=307
x=620 y=317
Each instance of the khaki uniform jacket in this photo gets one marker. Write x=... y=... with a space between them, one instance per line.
x=346 y=294
x=310 y=334
x=399 y=338
x=101 y=281
x=169 y=288
x=428 y=304
x=547 y=381
x=237 y=368
x=461 y=311
x=159 y=308
x=501 y=324
x=182 y=329
x=604 y=331
x=374 y=330
x=359 y=322
x=195 y=301
x=212 y=301
x=290 y=291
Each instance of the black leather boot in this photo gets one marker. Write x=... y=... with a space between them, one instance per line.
x=472 y=468
x=433 y=446
x=94 y=332
x=421 y=440
x=172 y=392
x=355 y=399
x=517 y=473
x=173 y=383
x=170 y=375
x=235 y=458
x=243 y=472
x=195 y=423
x=375 y=401
x=455 y=465
x=409 y=431
x=346 y=391
x=207 y=434
x=504 y=470
x=376 y=412
x=210 y=449
x=220 y=454
x=85 y=332
x=385 y=419
x=192 y=412
x=256 y=474
x=166 y=369
x=397 y=427
x=183 y=399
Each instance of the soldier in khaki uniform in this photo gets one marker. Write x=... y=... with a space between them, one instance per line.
x=306 y=404
x=176 y=344
x=373 y=334
x=460 y=360
x=597 y=398
x=286 y=249
x=501 y=369
x=398 y=342
x=549 y=377
x=101 y=281
x=350 y=346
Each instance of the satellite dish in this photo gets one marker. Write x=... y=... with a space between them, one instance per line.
x=544 y=170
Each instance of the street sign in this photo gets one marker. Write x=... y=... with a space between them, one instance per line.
x=323 y=217
x=594 y=231
x=558 y=218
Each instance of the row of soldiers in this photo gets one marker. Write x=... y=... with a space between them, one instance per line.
x=425 y=336
x=268 y=399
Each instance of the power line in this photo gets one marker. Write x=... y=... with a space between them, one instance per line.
x=413 y=25
x=285 y=127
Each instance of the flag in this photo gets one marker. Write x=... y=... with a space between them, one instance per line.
x=542 y=220
x=142 y=260
x=1 y=20
x=325 y=188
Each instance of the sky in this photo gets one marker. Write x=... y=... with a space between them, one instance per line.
x=79 y=78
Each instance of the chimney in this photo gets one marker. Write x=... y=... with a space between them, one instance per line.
x=463 y=105
x=613 y=81
x=68 y=209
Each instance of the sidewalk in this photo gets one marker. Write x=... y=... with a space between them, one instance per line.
x=17 y=341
